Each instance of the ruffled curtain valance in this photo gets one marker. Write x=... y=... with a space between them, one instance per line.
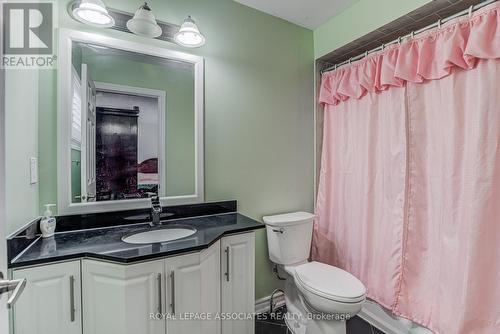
x=429 y=56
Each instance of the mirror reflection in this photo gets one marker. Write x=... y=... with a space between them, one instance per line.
x=132 y=132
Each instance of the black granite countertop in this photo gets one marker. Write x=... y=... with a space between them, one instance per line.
x=106 y=243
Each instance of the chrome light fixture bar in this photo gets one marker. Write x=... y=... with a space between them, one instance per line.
x=121 y=18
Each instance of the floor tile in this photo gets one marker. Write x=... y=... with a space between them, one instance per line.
x=376 y=330
x=262 y=327
x=266 y=324
x=357 y=325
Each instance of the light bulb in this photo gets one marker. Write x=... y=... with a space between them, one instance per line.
x=189 y=35
x=94 y=13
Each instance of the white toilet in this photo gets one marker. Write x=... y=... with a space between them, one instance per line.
x=319 y=297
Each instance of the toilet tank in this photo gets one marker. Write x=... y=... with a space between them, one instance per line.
x=289 y=237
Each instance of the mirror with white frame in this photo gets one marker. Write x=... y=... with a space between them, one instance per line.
x=130 y=124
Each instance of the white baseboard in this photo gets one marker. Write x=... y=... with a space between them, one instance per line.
x=262 y=304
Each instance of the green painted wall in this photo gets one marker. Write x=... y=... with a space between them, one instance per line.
x=177 y=81
x=258 y=110
x=47 y=138
x=358 y=20
x=21 y=108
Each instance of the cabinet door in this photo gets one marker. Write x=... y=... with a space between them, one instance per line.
x=238 y=281
x=193 y=292
x=51 y=301
x=122 y=298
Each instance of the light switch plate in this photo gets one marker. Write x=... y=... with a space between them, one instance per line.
x=33 y=170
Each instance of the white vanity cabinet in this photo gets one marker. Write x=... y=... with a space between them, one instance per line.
x=119 y=298
x=51 y=300
x=238 y=281
x=193 y=292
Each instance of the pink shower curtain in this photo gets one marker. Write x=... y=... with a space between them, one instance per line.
x=451 y=271
x=409 y=193
x=361 y=190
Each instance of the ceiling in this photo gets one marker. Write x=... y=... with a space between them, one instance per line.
x=307 y=13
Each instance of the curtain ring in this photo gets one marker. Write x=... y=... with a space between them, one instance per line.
x=334 y=67
x=412 y=34
x=383 y=46
x=471 y=8
x=399 y=40
x=439 y=24
x=350 y=59
x=366 y=54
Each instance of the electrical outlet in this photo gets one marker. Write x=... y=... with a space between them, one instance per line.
x=33 y=170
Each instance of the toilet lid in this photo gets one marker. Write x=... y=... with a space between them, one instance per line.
x=288 y=219
x=330 y=282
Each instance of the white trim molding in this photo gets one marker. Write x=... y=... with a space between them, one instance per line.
x=65 y=204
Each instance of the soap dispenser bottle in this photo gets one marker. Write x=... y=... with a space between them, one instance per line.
x=48 y=222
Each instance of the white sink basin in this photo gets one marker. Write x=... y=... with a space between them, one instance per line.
x=160 y=235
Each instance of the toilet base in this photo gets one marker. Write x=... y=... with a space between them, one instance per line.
x=294 y=325
x=313 y=326
x=299 y=320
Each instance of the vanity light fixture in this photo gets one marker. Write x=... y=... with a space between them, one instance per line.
x=144 y=23
x=94 y=13
x=189 y=35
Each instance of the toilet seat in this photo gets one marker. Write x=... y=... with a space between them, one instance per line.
x=329 y=282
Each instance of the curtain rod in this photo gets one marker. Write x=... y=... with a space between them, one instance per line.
x=468 y=11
